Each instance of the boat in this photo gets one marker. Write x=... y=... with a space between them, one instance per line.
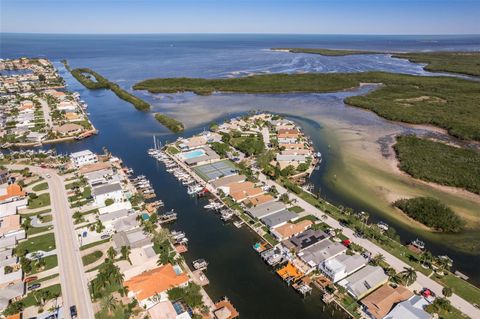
x=383 y=226
x=199 y=264
x=418 y=243
x=194 y=189
x=227 y=215
x=238 y=223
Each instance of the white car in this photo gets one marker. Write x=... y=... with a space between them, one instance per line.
x=48 y=176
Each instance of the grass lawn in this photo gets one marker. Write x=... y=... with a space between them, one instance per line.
x=270 y=239
x=48 y=210
x=92 y=257
x=296 y=209
x=118 y=313
x=44 y=279
x=29 y=300
x=96 y=243
x=43 y=242
x=40 y=187
x=41 y=201
x=50 y=262
x=37 y=230
x=461 y=287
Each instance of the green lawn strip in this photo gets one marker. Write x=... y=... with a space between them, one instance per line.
x=43 y=242
x=96 y=243
x=460 y=287
x=92 y=257
x=48 y=210
x=40 y=201
x=446 y=102
x=38 y=230
x=40 y=187
x=439 y=163
x=30 y=300
x=296 y=209
x=43 y=279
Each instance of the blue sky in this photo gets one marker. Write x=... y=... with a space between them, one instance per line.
x=242 y=16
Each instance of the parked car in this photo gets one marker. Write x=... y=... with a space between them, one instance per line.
x=30 y=279
x=73 y=311
x=106 y=236
x=33 y=287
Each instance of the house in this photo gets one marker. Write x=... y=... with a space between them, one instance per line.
x=82 y=158
x=109 y=191
x=316 y=254
x=380 y=302
x=288 y=230
x=279 y=218
x=7 y=242
x=236 y=187
x=68 y=129
x=11 y=207
x=163 y=310
x=306 y=239
x=72 y=116
x=134 y=238
x=10 y=227
x=224 y=181
x=10 y=292
x=412 y=308
x=89 y=168
x=100 y=177
x=12 y=192
x=247 y=193
x=67 y=106
x=364 y=281
x=259 y=200
x=4 y=175
x=36 y=137
x=341 y=266
x=126 y=223
x=154 y=282
x=111 y=217
x=266 y=209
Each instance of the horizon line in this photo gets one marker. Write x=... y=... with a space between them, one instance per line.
x=244 y=33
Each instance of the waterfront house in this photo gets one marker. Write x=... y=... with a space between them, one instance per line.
x=36 y=137
x=266 y=209
x=165 y=310
x=10 y=193
x=279 y=218
x=155 y=282
x=68 y=129
x=109 y=191
x=82 y=158
x=306 y=239
x=259 y=200
x=364 y=281
x=342 y=266
x=291 y=229
x=135 y=238
x=109 y=218
x=412 y=308
x=11 y=207
x=224 y=181
x=316 y=254
x=379 y=303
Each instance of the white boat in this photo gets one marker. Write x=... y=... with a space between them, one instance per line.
x=227 y=215
x=418 y=243
x=200 y=264
x=194 y=189
x=383 y=226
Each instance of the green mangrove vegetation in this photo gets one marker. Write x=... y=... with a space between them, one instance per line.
x=170 y=123
x=326 y=52
x=94 y=81
x=431 y=212
x=439 y=163
x=446 y=102
x=455 y=62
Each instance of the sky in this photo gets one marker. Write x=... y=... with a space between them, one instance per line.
x=242 y=16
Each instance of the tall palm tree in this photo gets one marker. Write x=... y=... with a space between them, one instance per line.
x=125 y=251
x=377 y=259
x=427 y=259
x=409 y=276
x=109 y=303
x=111 y=253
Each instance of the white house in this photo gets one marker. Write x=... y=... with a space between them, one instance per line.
x=109 y=191
x=83 y=158
x=342 y=266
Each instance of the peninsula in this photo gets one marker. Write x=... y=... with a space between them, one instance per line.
x=446 y=102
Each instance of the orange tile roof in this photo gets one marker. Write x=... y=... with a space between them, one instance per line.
x=237 y=187
x=260 y=199
x=290 y=229
x=94 y=167
x=9 y=223
x=247 y=193
x=293 y=145
x=382 y=300
x=155 y=281
x=13 y=190
x=15 y=316
x=289 y=271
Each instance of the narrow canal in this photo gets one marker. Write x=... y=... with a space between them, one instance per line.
x=235 y=269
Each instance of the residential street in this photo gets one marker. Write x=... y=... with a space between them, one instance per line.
x=397 y=264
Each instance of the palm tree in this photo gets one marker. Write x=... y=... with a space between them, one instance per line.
x=408 y=276
x=111 y=253
x=427 y=259
x=40 y=263
x=125 y=251
x=109 y=303
x=391 y=273
x=377 y=259
x=27 y=223
x=447 y=291
x=324 y=217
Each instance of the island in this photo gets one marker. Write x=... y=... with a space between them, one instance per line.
x=326 y=52
x=94 y=81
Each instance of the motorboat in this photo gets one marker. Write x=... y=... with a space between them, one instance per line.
x=200 y=264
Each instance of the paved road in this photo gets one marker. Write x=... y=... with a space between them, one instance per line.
x=46 y=113
x=72 y=275
x=397 y=264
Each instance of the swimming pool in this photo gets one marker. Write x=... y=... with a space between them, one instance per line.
x=193 y=154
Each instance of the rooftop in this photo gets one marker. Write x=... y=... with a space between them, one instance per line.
x=316 y=254
x=382 y=300
x=224 y=181
x=278 y=218
x=266 y=209
x=105 y=189
x=306 y=239
x=290 y=229
x=364 y=280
